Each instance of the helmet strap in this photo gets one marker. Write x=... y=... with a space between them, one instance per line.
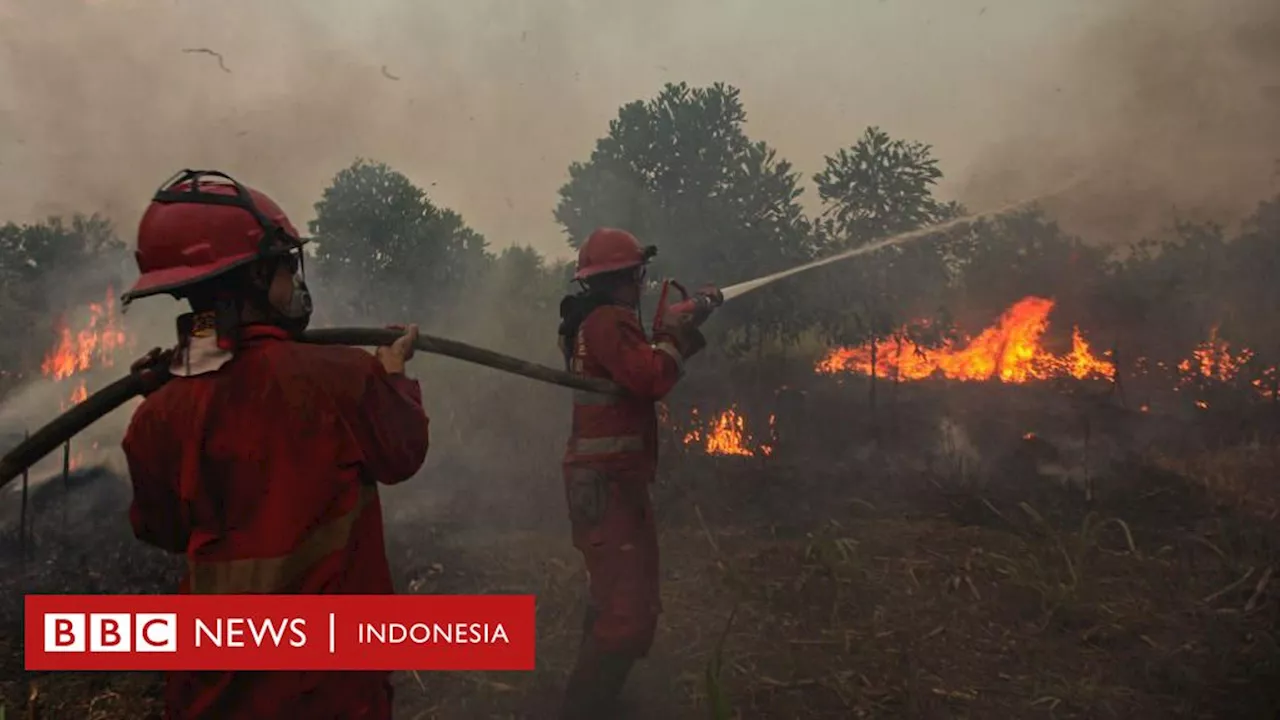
x=226 y=322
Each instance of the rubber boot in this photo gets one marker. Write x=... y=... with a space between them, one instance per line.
x=595 y=684
x=597 y=678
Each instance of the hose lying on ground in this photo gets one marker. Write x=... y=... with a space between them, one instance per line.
x=67 y=425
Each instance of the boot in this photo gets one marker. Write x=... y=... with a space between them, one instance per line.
x=595 y=684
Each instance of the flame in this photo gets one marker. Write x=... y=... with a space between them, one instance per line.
x=1266 y=383
x=79 y=394
x=92 y=346
x=1009 y=351
x=1213 y=359
x=726 y=435
x=767 y=450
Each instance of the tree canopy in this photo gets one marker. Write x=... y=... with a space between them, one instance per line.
x=375 y=229
x=680 y=172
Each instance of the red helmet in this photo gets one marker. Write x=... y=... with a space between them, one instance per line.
x=202 y=223
x=608 y=250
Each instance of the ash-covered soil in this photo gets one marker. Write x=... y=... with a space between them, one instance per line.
x=1029 y=558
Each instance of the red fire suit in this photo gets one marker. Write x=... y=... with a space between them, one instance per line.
x=608 y=466
x=264 y=474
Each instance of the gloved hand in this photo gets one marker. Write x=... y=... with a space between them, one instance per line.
x=394 y=356
x=152 y=369
x=709 y=298
x=682 y=331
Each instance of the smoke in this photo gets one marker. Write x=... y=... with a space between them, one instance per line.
x=1164 y=109
x=485 y=104
x=1152 y=107
x=103 y=100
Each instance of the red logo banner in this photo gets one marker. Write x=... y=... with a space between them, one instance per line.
x=280 y=632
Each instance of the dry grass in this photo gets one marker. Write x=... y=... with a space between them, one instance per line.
x=1240 y=477
x=790 y=593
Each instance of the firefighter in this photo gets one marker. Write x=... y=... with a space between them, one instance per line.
x=260 y=459
x=611 y=459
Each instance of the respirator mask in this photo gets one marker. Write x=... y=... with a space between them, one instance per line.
x=296 y=314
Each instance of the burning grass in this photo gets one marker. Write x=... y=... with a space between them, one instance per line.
x=725 y=434
x=94 y=345
x=1010 y=351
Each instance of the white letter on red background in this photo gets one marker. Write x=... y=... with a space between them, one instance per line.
x=156 y=632
x=109 y=632
x=64 y=632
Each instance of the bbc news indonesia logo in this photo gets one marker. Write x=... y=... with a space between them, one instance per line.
x=279 y=632
x=111 y=632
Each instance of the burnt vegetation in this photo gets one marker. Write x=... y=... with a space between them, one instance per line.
x=888 y=489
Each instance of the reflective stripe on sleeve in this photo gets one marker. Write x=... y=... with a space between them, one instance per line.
x=280 y=573
x=671 y=350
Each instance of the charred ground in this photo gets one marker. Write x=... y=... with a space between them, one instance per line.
x=881 y=564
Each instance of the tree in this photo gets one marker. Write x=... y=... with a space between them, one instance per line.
x=1253 y=262
x=55 y=250
x=379 y=236
x=680 y=172
x=1020 y=253
x=879 y=187
x=874 y=189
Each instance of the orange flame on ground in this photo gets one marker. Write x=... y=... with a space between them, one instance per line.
x=1009 y=351
x=1266 y=384
x=726 y=435
x=92 y=346
x=767 y=450
x=1214 y=360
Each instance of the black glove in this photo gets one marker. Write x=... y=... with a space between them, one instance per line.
x=152 y=369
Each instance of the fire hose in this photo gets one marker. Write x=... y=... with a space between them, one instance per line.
x=65 y=426
x=704 y=301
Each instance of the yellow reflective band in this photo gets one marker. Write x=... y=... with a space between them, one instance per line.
x=606 y=445
x=281 y=573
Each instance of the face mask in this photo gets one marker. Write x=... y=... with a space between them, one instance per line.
x=295 y=316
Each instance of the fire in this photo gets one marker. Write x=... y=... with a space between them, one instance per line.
x=79 y=394
x=767 y=450
x=1213 y=359
x=726 y=435
x=1009 y=351
x=92 y=346
x=1265 y=383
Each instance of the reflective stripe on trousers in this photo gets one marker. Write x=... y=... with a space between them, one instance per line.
x=594 y=399
x=280 y=573
x=606 y=445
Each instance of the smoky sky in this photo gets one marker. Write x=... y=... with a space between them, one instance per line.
x=1157 y=104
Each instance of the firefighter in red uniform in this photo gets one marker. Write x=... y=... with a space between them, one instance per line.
x=260 y=459
x=611 y=459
